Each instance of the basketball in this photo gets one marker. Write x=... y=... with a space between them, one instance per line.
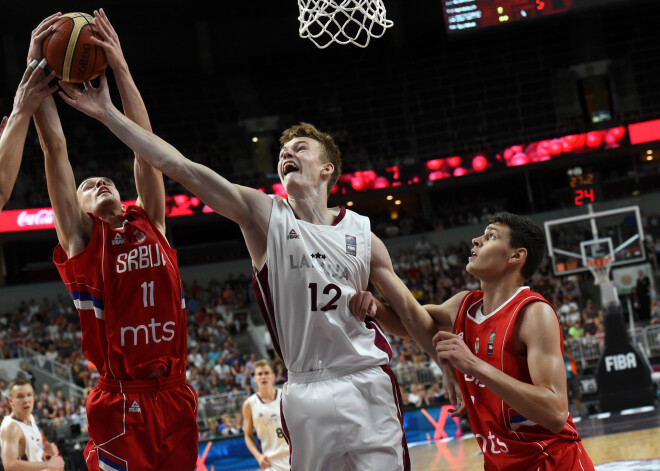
x=69 y=50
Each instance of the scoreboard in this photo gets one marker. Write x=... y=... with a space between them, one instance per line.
x=467 y=15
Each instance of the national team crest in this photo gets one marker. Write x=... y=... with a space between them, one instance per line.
x=476 y=345
x=351 y=245
x=491 y=341
x=139 y=236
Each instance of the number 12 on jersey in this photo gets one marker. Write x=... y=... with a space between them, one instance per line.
x=148 y=294
x=330 y=305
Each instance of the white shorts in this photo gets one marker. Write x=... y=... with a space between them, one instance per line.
x=348 y=422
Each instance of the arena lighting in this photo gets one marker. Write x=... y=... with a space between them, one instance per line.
x=367 y=180
x=646 y=131
x=573 y=144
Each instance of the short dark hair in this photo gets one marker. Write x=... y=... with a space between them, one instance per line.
x=523 y=232
x=18 y=382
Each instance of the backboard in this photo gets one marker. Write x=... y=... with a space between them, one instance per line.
x=616 y=233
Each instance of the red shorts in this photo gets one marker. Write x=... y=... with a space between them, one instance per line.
x=142 y=425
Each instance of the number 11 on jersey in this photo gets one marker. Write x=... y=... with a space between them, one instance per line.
x=148 y=294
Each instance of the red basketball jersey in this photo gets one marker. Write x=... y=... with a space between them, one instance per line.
x=508 y=440
x=128 y=292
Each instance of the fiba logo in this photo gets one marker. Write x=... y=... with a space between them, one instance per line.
x=620 y=362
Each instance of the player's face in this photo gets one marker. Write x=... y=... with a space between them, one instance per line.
x=21 y=399
x=300 y=165
x=97 y=192
x=263 y=375
x=490 y=252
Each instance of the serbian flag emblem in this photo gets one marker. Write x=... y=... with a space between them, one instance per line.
x=108 y=462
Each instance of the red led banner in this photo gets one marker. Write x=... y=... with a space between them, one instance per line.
x=33 y=219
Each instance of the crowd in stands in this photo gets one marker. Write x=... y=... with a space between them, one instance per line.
x=217 y=315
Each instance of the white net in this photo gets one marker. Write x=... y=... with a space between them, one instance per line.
x=346 y=21
x=600 y=269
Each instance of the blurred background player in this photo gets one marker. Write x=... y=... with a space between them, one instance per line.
x=13 y=130
x=20 y=437
x=123 y=277
x=261 y=413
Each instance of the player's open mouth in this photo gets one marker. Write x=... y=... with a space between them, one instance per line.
x=473 y=254
x=289 y=167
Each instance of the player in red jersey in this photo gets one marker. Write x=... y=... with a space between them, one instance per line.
x=123 y=277
x=507 y=351
x=13 y=130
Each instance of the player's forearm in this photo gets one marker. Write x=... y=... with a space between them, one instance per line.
x=19 y=465
x=252 y=446
x=389 y=321
x=537 y=403
x=131 y=99
x=49 y=127
x=12 y=144
x=415 y=320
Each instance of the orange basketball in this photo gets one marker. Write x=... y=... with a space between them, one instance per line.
x=69 y=50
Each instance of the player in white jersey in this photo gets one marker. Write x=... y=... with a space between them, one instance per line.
x=20 y=438
x=261 y=412
x=341 y=408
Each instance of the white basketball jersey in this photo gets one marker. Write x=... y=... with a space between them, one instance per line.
x=311 y=272
x=34 y=447
x=267 y=423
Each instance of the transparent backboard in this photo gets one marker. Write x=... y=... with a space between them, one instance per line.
x=616 y=233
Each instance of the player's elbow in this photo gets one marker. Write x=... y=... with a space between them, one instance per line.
x=557 y=420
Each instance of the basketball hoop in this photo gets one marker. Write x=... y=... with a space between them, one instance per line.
x=342 y=21
x=600 y=269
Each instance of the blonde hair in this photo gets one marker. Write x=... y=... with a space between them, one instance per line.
x=262 y=363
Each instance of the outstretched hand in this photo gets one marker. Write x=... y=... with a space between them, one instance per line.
x=37 y=36
x=363 y=304
x=109 y=40
x=32 y=90
x=90 y=100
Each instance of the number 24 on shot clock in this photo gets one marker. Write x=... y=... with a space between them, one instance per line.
x=584 y=186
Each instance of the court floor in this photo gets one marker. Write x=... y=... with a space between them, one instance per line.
x=629 y=440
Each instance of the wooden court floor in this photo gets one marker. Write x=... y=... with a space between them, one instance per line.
x=606 y=439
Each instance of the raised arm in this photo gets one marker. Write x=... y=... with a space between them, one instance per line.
x=148 y=179
x=544 y=401
x=248 y=207
x=248 y=434
x=13 y=130
x=31 y=91
x=73 y=227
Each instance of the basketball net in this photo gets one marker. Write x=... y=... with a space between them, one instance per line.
x=600 y=269
x=342 y=21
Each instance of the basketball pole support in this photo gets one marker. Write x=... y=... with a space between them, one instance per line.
x=623 y=374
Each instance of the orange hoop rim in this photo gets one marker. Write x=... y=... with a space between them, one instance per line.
x=600 y=262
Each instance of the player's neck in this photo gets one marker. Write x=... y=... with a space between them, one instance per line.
x=267 y=394
x=499 y=291
x=22 y=417
x=115 y=220
x=312 y=209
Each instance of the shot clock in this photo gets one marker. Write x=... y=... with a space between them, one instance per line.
x=584 y=186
